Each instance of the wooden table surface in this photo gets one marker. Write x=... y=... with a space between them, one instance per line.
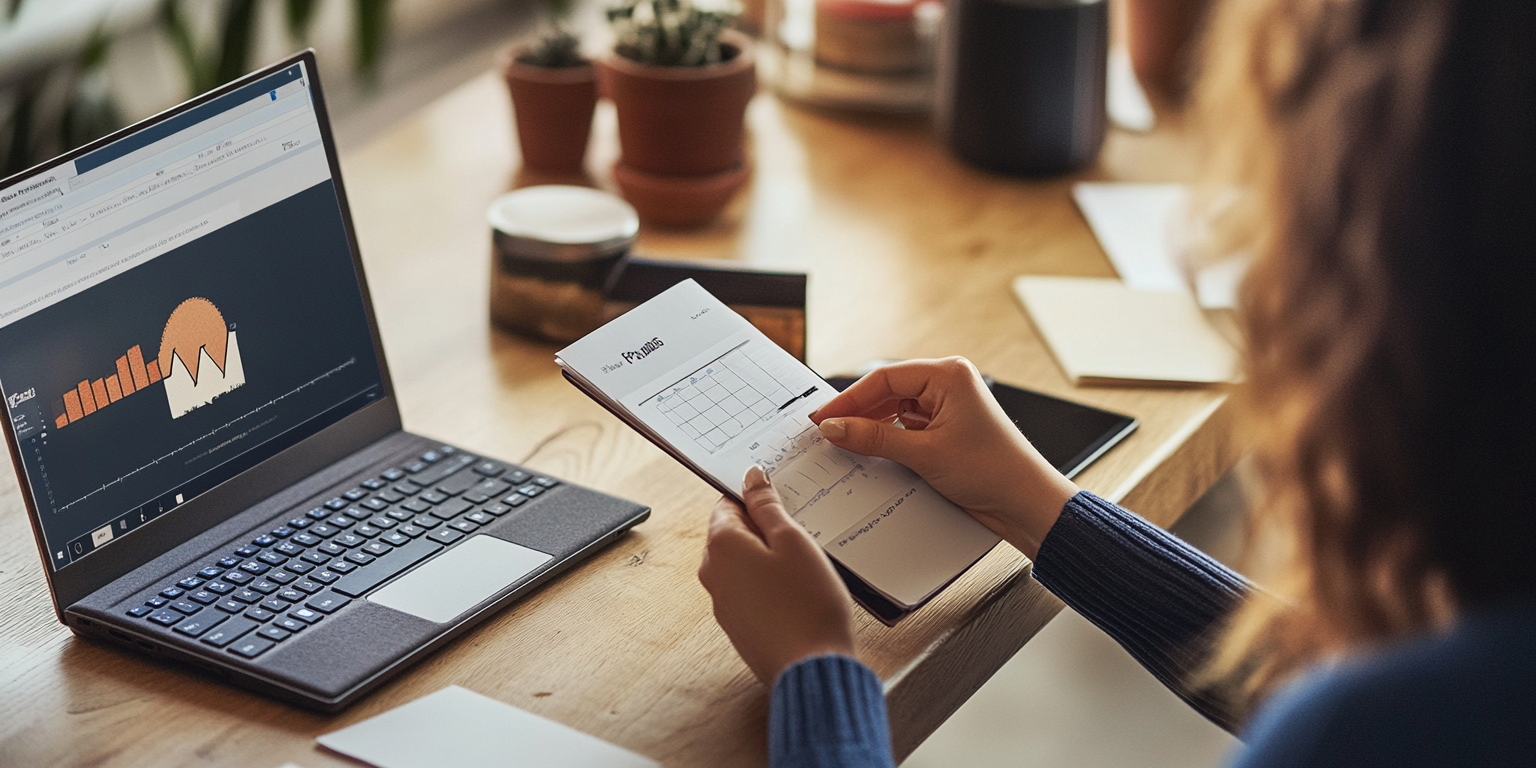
x=910 y=254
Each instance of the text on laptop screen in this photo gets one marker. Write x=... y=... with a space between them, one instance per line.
x=176 y=307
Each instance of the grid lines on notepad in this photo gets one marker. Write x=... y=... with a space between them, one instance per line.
x=722 y=399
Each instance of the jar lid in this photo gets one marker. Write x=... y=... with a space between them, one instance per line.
x=563 y=222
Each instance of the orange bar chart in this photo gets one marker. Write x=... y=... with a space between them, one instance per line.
x=72 y=406
x=136 y=365
x=194 y=328
x=131 y=374
x=99 y=389
x=87 y=400
x=124 y=377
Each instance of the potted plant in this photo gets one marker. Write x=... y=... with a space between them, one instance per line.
x=680 y=80
x=554 y=91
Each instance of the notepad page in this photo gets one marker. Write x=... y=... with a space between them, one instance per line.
x=705 y=381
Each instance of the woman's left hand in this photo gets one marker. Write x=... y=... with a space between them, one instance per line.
x=775 y=593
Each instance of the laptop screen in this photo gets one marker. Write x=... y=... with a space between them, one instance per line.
x=175 y=307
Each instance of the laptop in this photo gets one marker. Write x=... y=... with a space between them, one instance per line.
x=203 y=424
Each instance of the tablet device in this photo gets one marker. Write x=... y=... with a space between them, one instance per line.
x=1069 y=435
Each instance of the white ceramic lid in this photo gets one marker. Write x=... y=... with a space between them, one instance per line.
x=564 y=215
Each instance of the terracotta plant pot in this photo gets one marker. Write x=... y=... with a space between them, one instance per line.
x=553 y=108
x=682 y=133
x=678 y=201
x=1161 y=40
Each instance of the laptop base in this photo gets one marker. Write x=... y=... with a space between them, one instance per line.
x=331 y=663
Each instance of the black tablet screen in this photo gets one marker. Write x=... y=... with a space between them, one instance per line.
x=1069 y=435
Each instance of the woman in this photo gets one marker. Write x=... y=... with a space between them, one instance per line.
x=1389 y=147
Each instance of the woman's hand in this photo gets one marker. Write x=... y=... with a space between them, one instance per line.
x=958 y=438
x=775 y=594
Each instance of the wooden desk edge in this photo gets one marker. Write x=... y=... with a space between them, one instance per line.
x=922 y=696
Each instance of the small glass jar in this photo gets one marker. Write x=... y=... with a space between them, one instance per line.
x=553 y=249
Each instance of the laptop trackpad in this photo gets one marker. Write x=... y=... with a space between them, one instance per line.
x=460 y=578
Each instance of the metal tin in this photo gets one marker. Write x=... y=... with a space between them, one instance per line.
x=553 y=250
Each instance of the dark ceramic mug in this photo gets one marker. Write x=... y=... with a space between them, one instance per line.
x=1021 y=83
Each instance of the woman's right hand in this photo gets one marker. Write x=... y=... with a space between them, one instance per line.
x=957 y=438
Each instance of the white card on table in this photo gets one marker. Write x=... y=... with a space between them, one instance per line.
x=1134 y=224
x=460 y=728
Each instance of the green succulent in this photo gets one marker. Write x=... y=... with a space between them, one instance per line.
x=669 y=33
x=557 y=50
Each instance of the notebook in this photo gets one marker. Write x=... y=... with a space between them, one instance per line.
x=717 y=395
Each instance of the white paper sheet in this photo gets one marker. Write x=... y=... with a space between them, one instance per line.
x=461 y=728
x=1133 y=223
x=1124 y=98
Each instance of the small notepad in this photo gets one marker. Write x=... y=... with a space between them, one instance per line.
x=463 y=729
x=1103 y=332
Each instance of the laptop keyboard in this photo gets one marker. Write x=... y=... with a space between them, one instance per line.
x=263 y=592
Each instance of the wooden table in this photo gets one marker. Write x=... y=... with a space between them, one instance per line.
x=910 y=254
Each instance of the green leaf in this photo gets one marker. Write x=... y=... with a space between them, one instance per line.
x=94 y=54
x=556 y=50
x=177 y=28
x=301 y=16
x=558 y=10
x=372 y=26
x=90 y=115
x=18 y=156
x=668 y=33
x=235 y=48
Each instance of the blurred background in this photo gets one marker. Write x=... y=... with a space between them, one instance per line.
x=75 y=70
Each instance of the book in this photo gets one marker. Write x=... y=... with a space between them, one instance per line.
x=711 y=390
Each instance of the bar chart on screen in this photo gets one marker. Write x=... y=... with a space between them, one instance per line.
x=198 y=360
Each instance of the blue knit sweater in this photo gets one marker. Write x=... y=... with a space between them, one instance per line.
x=1463 y=697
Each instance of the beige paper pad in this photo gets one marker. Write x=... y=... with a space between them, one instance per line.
x=1102 y=332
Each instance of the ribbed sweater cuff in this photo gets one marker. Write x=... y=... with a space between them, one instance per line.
x=828 y=711
x=1157 y=596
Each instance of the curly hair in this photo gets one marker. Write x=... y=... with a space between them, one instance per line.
x=1386 y=150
